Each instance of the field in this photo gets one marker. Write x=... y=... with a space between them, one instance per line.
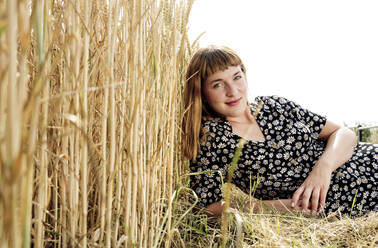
x=271 y=228
x=90 y=112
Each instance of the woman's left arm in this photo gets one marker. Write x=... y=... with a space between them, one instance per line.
x=341 y=142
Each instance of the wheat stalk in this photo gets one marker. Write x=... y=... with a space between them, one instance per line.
x=91 y=123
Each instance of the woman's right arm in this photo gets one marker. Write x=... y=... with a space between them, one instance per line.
x=283 y=205
x=215 y=209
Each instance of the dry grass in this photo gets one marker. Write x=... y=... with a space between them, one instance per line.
x=89 y=116
x=274 y=229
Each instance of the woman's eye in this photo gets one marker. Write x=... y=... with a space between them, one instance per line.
x=216 y=85
x=237 y=77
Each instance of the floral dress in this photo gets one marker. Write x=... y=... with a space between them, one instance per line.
x=276 y=167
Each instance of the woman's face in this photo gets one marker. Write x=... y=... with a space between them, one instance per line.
x=226 y=92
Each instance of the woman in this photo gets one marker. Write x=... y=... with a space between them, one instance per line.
x=293 y=159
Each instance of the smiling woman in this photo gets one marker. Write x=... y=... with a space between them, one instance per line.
x=226 y=91
x=298 y=160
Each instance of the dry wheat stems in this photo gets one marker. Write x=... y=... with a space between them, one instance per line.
x=12 y=125
x=90 y=168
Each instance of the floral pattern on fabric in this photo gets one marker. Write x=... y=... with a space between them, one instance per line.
x=276 y=167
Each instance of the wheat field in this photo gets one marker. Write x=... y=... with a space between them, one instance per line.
x=90 y=113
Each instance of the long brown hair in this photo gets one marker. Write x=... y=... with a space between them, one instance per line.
x=204 y=63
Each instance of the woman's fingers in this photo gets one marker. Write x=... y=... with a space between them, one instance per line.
x=304 y=195
x=306 y=198
x=296 y=195
x=323 y=195
x=315 y=200
x=313 y=191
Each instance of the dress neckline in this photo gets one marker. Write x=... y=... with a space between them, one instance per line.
x=257 y=112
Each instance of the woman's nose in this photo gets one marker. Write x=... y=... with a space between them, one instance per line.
x=230 y=90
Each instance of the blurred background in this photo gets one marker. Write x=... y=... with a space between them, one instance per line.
x=321 y=54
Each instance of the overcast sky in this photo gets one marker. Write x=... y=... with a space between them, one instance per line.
x=322 y=54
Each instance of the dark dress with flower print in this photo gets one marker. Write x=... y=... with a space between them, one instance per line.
x=276 y=167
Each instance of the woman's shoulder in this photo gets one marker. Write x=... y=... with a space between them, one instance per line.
x=214 y=131
x=214 y=125
x=272 y=99
x=273 y=102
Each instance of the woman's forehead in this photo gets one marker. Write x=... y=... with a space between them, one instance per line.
x=210 y=67
x=229 y=71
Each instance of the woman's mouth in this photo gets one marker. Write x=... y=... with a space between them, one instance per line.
x=233 y=103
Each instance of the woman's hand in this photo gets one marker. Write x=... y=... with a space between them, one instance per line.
x=315 y=187
x=340 y=146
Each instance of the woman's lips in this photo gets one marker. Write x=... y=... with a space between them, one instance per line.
x=233 y=103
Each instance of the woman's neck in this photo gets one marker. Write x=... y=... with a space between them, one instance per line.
x=245 y=118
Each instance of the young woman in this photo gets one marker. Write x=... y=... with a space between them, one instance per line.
x=293 y=159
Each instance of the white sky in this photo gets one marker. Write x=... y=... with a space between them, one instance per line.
x=322 y=54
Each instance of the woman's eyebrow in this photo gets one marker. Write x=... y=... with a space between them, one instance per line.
x=215 y=80
x=219 y=79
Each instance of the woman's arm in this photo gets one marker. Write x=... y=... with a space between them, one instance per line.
x=283 y=205
x=215 y=209
x=341 y=142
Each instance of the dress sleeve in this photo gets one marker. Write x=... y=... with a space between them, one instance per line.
x=206 y=173
x=315 y=122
